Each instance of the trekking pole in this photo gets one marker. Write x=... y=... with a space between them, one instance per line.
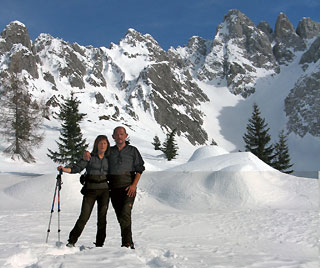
x=59 y=182
x=58 y=187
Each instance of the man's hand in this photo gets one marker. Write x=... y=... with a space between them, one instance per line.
x=86 y=156
x=132 y=190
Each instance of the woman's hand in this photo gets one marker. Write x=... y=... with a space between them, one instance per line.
x=67 y=170
x=60 y=168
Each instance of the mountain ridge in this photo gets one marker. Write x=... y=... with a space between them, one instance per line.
x=136 y=78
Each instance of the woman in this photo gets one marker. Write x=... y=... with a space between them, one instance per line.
x=95 y=189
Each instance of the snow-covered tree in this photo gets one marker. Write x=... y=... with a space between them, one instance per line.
x=257 y=138
x=281 y=159
x=71 y=145
x=20 y=119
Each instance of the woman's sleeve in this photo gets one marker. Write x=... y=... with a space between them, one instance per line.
x=78 y=167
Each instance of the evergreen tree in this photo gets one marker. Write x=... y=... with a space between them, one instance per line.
x=20 y=119
x=71 y=145
x=213 y=142
x=257 y=138
x=170 y=147
x=281 y=160
x=156 y=143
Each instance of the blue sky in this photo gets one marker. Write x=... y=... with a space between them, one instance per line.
x=170 y=22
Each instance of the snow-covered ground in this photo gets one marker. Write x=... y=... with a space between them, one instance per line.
x=211 y=208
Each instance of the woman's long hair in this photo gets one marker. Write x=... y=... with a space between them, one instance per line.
x=96 y=142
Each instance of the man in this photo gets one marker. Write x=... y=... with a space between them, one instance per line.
x=125 y=168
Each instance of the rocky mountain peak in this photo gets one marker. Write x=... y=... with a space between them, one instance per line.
x=196 y=43
x=286 y=40
x=284 y=27
x=238 y=23
x=266 y=28
x=16 y=33
x=134 y=37
x=17 y=46
x=144 y=43
x=307 y=28
x=238 y=50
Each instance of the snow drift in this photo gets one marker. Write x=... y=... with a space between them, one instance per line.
x=227 y=179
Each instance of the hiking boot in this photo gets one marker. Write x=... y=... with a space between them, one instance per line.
x=70 y=245
x=128 y=245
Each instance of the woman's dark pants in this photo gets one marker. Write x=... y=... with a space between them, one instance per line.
x=102 y=198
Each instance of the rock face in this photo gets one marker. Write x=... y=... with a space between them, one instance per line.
x=286 y=40
x=137 y=75
x=307 y=28
x=302 y=106
x=168 y=94
x=15 y=33
x=165 y=88
x=237 y=52
x=16 y=45
x=312 y=54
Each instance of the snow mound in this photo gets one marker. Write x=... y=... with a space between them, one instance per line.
x=207 y=151
x=229 y=180
x=36 y=192
x=243 y=161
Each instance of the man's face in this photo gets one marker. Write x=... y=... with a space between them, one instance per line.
x=120 y=136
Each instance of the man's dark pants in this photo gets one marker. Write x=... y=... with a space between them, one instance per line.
x=102 y=198
x=122 y=205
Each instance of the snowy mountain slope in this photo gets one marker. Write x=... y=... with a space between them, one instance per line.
x=193 y=89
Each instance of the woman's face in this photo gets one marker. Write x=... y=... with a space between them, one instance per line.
x=102 y=146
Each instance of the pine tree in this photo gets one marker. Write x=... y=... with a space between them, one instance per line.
x=281 y=160
x=257 y=137
x=156 y=143
x=71 y=145
x=169 y=147
x=20 y=119
x=213 y=142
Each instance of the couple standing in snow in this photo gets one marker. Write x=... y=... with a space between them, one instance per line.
x=111 y=172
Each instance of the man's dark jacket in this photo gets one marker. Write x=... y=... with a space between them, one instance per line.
x=123 y=165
